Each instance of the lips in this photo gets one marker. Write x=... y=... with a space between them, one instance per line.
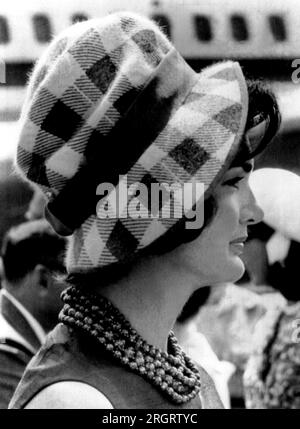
x=239 y=240
x=237 y=245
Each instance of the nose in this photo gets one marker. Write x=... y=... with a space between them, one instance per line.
x=251 y=212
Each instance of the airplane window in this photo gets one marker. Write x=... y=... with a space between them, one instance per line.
x=79 y=17
x=4 y=32
x=203 y=28
x=164 y=22
x=239 y=28
x=278 y=28
x=42 y=28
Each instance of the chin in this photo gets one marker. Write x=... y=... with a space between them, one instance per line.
x=239 y=271
x=234 y=272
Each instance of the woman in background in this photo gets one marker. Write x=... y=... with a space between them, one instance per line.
x=197 y=346
x=272 y=376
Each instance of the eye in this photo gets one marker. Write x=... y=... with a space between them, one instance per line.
x=233 y=182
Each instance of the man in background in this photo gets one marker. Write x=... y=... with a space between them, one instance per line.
x=32 y=270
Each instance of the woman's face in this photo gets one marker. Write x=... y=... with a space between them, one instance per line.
x=215 y=255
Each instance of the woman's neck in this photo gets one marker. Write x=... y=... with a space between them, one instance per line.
x=151 y=298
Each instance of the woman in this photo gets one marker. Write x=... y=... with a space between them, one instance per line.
x=111 y=100
x=272 y=376
x=197 y=346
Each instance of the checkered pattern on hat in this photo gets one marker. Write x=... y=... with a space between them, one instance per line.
x=83 y=84
x=97 y=78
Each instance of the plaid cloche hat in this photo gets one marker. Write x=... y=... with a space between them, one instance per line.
x=112 y=98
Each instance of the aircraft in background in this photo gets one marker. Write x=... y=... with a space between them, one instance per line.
x=263 y=36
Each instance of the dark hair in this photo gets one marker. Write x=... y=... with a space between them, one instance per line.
x=30 y=244
x=283 y=276
x=261 y=100
x=192 y=306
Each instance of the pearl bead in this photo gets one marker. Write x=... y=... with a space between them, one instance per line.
x=170 y=391
x=158 y=380
x=133 y=365
x=140 y=361
x=169 y=379
x=109 y=335
x=161 y=372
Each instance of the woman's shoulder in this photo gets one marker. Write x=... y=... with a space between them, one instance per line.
x=272 y=376
x=69 y=394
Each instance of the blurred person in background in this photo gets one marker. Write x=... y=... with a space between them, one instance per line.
x=36 y=208
x=15 y=196
x=195 y=344
x=32 y=261
x=231 y=314
x=272 y=375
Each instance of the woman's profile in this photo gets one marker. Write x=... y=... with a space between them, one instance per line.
x=112 y=100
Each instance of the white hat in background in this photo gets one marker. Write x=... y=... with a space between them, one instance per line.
x=277 y=192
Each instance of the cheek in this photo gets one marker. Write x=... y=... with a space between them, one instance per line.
x=209 y=254
x=226 y=220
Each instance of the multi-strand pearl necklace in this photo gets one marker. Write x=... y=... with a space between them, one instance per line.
x=174 y=373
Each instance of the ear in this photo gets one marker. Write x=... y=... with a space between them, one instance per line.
x=42 y=277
